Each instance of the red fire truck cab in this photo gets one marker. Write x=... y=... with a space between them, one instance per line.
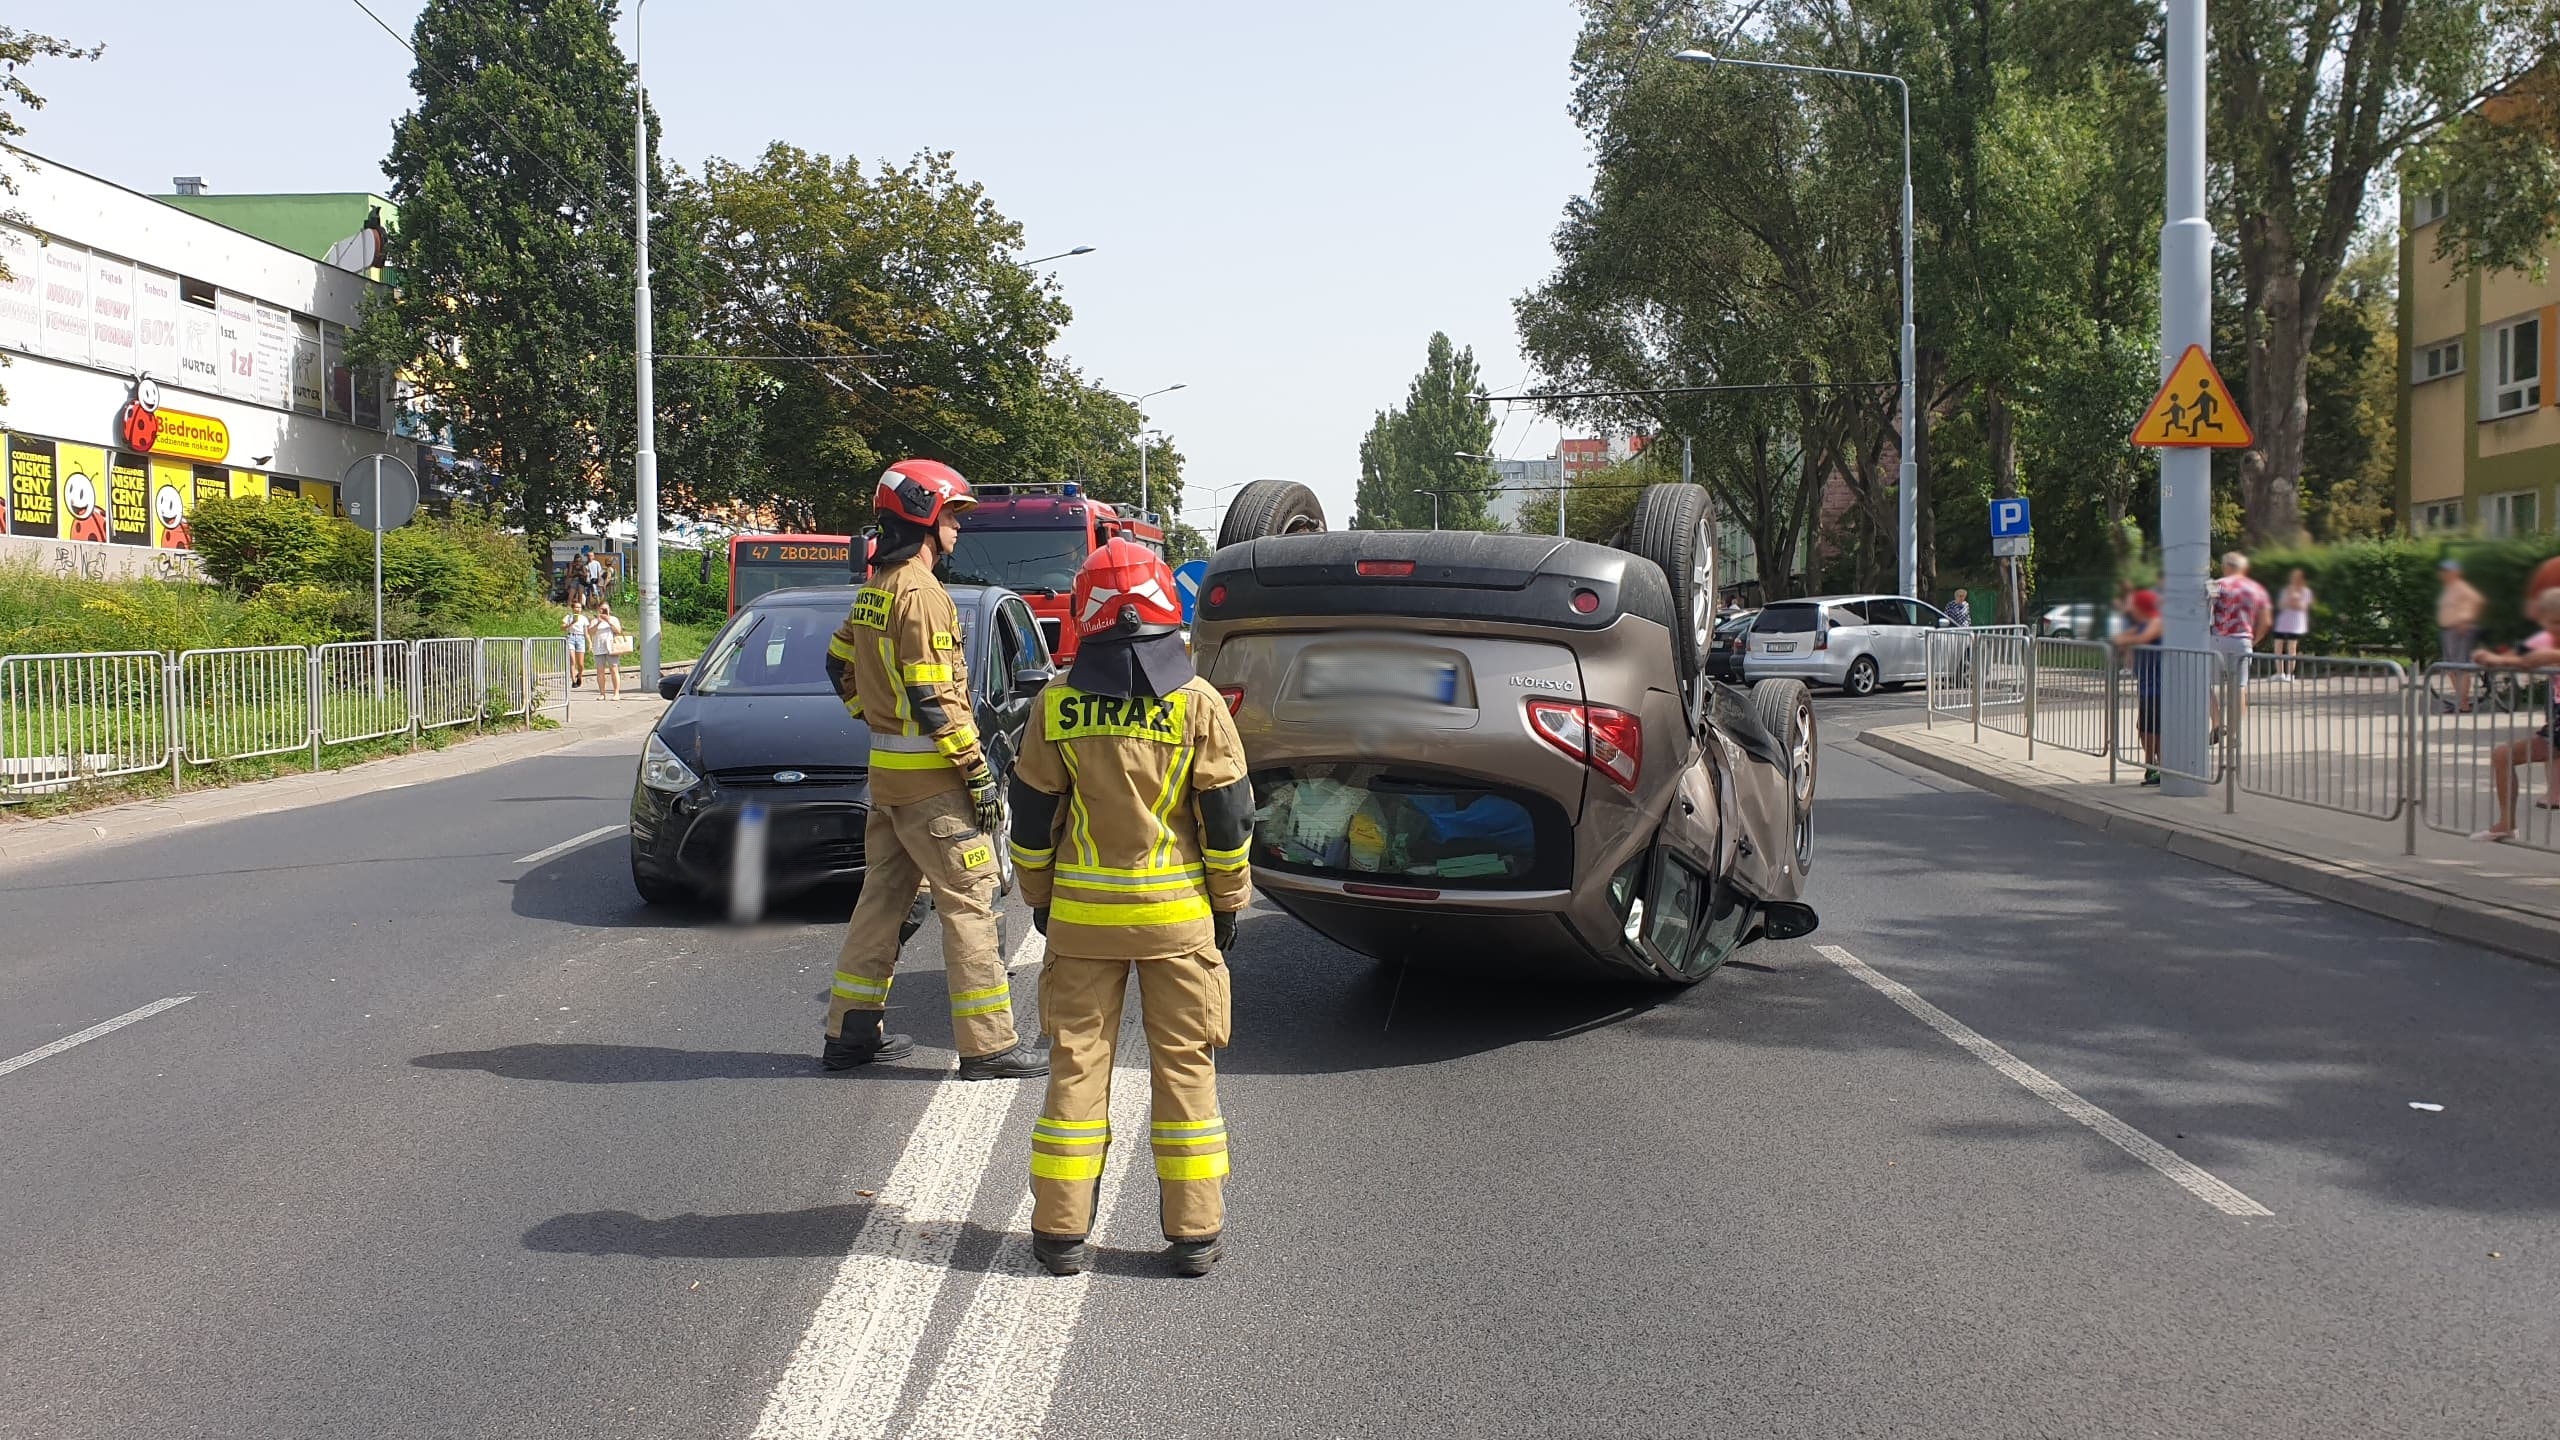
x=1032 y=540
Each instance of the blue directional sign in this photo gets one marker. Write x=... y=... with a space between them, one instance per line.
x=1186 y=583
x=2009 y=517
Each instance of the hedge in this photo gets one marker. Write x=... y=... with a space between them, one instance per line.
x=2379 y=596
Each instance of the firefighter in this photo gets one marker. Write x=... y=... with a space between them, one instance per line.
x=1131 y=815
x=935 y=811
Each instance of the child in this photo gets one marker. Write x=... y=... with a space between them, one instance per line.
x=574 y=625
x=2540 y=653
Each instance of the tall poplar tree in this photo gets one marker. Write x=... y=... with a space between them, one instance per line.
x=1414 y=450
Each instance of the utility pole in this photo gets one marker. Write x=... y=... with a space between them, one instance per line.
x=644 y=477
x=2186 y=475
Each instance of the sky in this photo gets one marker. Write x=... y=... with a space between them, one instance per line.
x=1284 y=200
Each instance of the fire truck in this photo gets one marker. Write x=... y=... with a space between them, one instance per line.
x=1032 y=540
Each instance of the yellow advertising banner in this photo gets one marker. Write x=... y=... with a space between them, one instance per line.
x=187 y=436
x=83 y=491
x=129 y=498
x=322 y=494
x=32 y=510
x=172 y=482
x=248 y=485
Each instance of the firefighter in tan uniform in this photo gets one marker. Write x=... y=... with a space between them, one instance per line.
x=935 y=812
x=1131 y=818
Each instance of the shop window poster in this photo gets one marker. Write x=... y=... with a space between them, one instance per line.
x=237 y=318
x=111 y=312
x=129 y=498
x=158 y=349
x=212 y=483
x=22 y=294
x=31 y=507
x=66 y=301
x=200 y=362
x=306 y=364
x=82 y=492
x=248 y=485
x=171 y=484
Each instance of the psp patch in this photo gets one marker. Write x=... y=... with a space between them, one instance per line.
x=871 y=607
x=1073 y=713
x=974 y=856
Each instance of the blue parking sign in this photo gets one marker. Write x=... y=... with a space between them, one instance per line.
x=1186 y=584
x=2009 y=517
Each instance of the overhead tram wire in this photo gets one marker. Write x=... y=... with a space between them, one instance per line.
x=1537 y=396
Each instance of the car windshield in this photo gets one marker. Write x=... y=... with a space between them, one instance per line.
x=1786 y=619
x=1030 y=561
x=776 y=651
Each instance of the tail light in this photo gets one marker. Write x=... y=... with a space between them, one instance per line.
x=1235 y=698
x=1821 y=637
x=1384 y=569
x=1608 y=740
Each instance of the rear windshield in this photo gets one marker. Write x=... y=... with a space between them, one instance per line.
x=1030 y=561
x=1785 y=620
x=780 y=650
x=1365 y=821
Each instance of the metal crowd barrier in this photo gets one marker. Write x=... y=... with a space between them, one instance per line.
x=2326 y=732
x=69 y=718
x=2071 y=695
x=2149 y=673
x=2473 y=763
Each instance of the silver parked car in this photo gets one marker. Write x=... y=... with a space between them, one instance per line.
x=1857 y=642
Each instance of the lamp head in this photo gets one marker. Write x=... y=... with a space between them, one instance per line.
x=1696 y=57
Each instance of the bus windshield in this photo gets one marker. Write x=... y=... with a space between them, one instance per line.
x=752 y=581
x=1026 y=561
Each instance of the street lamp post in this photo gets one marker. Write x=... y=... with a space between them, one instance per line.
x=1141 y=402
x=1435 y=505
x=1907 y=541
x=644 y=471
x=1043 y=260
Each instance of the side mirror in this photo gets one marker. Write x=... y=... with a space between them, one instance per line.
x=1945 y=624
x=1028 y=681
x=1787 y=920
x=670 y=686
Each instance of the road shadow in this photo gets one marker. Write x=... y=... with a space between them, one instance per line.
x=818 y=1232
x=591 y=1064
x=590 y=887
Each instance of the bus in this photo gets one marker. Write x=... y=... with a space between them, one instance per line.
x=759 y=563
x=1032 y=540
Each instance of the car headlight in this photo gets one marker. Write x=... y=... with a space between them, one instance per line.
x=661 y=770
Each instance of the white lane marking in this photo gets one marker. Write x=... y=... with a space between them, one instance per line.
x=1003 y=1366
x=2191 y=1177
x=103 y=1027
x=844 y=1380
x=550 y=852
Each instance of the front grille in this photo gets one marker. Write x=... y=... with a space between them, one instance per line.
x=812 y=775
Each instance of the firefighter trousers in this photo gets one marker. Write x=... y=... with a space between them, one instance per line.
x=1185 y=1005
x=935 y=839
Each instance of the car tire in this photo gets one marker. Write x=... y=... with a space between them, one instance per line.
x=1266 y=508
x=1784 y=708
x=1862 y=677
x=1674 y=527
x=656 y=890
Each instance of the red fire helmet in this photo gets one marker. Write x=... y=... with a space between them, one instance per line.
x=917 y=490
x=1124 y=590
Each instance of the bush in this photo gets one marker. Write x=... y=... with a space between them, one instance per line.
x=249 y=544
x=2379 y=596
x=685 y=596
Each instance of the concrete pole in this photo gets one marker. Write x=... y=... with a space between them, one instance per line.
x=2186 y=475
x=644 y=480
x=1142 y=466
x=1907 y=534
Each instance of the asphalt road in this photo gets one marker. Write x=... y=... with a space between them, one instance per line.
x=445 y=1144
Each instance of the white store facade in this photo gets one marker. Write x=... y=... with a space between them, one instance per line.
x=156 y=359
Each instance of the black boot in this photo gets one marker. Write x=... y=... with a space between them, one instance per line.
x=1061 y=1254
x=1193 y=1256
x=864 y=1041
x=1019 y=1063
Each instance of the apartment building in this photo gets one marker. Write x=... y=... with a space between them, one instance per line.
x=2479 y=418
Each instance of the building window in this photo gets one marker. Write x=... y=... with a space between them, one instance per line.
x=2427 y=209
x=2439 y=516
x=2516 y=514
x=2513 y=384
x=2438 y=361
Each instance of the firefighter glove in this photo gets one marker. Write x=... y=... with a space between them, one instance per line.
x=1040 y=918
x=984 y=798
x=1223 y=925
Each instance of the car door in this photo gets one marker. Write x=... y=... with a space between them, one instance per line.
x=1853 y=635
x=1898 y=643
x=1015 y=646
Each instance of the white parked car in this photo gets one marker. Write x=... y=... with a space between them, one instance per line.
x=1856 y=642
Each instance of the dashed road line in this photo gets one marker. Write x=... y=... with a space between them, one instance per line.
x=2191 y=1177
x=103 y=1027
x=550 y=852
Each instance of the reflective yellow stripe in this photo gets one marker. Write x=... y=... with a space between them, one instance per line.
x=954 y=740
x=910 y=742
x=1033 y=859
x=1154 y=912
x=1172 y=1127
x=1079 y=821
x=889 y=666
x=1045 y=1166
x=853 y=706
x=982 y=1002
x=1055 y=1123
x=841 y=649
x=983 y=1007
x=925 y=674
x=861 y=987
x=1175 y=1167
x=1060 y=1132
x=896 y=760
x=1142 y=872
x=1130 y=887
x=1225 y=859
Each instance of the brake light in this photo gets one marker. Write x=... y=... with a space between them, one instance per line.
x=1217 y=594
x=1608 y=740
x=1235 y=698
x=1586 y=601
x=1389 y=569
x=1821 y=637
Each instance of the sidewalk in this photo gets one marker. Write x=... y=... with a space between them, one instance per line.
x=2504 y=897
x=589 y=719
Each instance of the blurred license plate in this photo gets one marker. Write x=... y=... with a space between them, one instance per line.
x=1783 y=647
x=1369 y=677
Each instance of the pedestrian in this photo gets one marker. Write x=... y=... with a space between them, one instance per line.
x=1157 y=821
x=2541 y=653
x=936 y=814
x=573 y=625
x=2458 y=611
x=2242 y=616
x=604 y=645
x=2140 y=639
x=2293 y=621
x=591 y=571
x=1959 y=612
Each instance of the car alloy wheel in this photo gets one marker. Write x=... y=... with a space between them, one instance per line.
x=1862 y=676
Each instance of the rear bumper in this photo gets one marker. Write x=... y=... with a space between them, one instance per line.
x=1820 y=667
x=811 y=840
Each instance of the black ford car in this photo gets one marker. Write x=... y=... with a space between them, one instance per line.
x=756 y=723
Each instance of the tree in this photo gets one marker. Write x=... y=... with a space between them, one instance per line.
x=1598 y=502
x=18 y=50
x=2311 y=100
x=1415 y=449
x=2351 y=434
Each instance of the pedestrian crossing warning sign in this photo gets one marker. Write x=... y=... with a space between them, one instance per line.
x=2194 y=408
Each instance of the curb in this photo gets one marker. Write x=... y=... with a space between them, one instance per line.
x=148 y=819
x=2455 y=916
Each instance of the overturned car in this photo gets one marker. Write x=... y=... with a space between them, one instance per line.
x=1503 y=752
